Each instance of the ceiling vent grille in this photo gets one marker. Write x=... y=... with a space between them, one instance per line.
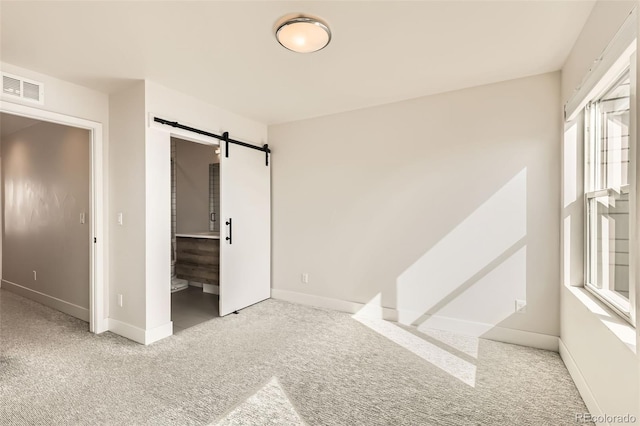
x=22 y=88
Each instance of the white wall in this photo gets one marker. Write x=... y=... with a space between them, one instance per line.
x=597 y=346
x=603 y=23
x=173 y=105
x=64 y=97
x=158 y=234
x=445 y=206
x=127 y=196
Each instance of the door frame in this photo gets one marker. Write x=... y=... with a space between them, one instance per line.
x=98 y=321
x=186 y=135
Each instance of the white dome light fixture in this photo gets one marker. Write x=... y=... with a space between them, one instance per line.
x=303 y=34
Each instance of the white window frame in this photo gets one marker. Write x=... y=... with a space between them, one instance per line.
x=624 y=308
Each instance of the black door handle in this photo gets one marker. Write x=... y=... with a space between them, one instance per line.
x=230 y=237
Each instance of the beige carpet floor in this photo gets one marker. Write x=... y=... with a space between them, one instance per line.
x=274 y=363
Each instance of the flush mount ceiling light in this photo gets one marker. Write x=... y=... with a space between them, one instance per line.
x=303 y=34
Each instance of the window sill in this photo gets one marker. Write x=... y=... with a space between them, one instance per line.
x=624 y=331
x=613 y=301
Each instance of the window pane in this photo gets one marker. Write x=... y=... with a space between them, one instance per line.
x=612 y=136
x=608 y=248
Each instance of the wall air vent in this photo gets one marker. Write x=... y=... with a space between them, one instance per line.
x=21 y=88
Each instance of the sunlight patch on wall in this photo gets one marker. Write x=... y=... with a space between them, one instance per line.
x=566 y=250
x=570 y=167
x=490 y=299
x=488 y=237
x=623 y=331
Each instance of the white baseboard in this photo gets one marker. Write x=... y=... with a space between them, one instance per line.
x=102 y=326
x=50 y=301
x=523 y=338
x=581 y=383
x=494 y=332
x=317 y=301
x=487 y=331
x=210 y=288
x=138 y=334
x=158 y=333
x=129 y=331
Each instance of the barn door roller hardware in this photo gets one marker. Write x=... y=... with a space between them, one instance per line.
x=225 y=137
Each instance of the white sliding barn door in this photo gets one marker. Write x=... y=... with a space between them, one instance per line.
x=245 y=243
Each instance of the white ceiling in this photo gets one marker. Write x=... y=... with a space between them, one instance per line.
x=225 y=52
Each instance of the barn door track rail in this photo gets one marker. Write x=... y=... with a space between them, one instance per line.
x=225 y=137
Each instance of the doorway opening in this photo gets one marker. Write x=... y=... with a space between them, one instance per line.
x=195 y=233
x=52 y=218
x=238 y=237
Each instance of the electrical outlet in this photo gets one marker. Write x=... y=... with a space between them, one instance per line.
x=35 y=276
x=304 y=278
x=521 y=306
x=120 y=300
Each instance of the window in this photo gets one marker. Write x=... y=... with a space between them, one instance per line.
x=607 y=139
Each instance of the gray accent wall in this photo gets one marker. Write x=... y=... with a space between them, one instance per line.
x=192 y=185
x=45 y=175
